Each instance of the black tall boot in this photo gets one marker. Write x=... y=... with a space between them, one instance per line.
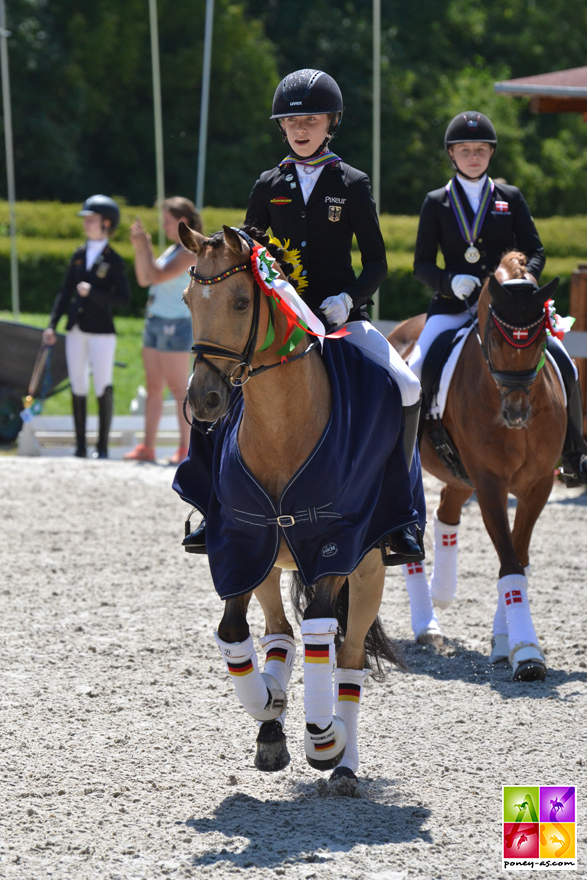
x=79 y=421
x=411 y=420
x=574 y=455
x=105 y=406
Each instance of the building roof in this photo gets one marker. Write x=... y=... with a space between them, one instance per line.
x=561 y=84
x=564 y=91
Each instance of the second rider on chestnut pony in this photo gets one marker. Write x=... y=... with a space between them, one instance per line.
x=474 y=221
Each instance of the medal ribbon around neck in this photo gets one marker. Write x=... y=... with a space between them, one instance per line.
x=470 y=233
x=326 y=158
x=299 y=316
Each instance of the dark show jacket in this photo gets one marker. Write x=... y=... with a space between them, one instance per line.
x=340 y=204
x=108 y=287
x=507 y=226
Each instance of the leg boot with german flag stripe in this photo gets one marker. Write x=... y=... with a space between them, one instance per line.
x=272 y=754
x=259 y=693
x=325 y=735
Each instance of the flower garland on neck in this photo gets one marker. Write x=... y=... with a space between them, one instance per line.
x=300 y=318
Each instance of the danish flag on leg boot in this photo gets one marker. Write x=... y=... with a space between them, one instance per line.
x=443 y=583
x=325 y=735
x=259 y=693
x=527 y=659
x=424 y=621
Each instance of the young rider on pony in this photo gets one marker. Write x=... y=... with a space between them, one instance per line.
x=474 y=221
x=314 y=203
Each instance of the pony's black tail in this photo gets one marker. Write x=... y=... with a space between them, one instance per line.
x=378 y=646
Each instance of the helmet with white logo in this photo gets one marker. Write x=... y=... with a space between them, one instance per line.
x=308 y=92
x=470 y=126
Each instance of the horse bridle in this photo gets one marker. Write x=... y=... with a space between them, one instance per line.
x=510 y=380
x=205 y=351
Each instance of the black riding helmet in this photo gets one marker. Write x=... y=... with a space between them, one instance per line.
x=103 y=205
x=467 y=127
x=308 y=92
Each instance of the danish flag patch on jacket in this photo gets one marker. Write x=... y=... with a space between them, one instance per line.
x=502 y=207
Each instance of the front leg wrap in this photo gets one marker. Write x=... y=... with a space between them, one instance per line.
x=259 y=694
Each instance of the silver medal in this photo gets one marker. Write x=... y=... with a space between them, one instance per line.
x=472 y=255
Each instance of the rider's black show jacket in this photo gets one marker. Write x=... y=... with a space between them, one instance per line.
x=108 y=288
x=340 y=204
x=508 y=224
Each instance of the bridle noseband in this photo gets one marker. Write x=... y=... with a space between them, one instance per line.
x=510 y=380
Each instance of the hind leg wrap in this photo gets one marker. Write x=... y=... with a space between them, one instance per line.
x=423 y=615
x=280 y=654
x=443 y=583
x=262 y=698
x=348 y=693
x=521 y=632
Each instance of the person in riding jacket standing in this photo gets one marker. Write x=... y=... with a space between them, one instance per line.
x=95 y=281
x=474 y=220
x=314 y=203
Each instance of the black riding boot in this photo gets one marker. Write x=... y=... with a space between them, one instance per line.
x=79 y=421
x=105 y=406
x=574 y=455
x=195 y=542
x=411 y=420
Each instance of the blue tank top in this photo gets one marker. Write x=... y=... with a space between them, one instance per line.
x=165 y=299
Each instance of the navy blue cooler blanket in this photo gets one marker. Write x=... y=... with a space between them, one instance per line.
x=351 y=491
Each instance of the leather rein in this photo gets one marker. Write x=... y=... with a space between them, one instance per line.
x=509 y=381
x=207 y=352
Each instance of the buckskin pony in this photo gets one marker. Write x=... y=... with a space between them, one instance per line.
x=505 y=414
x=298 y=477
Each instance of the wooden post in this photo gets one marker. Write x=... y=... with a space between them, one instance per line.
x=578 y=309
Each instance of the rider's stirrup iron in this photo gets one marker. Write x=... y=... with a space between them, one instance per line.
x=401 y=547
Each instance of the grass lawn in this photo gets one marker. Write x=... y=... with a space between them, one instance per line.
x=126 y=380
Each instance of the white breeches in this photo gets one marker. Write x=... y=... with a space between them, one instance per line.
x=434 y=326
x=366 y=337
x=85 y=350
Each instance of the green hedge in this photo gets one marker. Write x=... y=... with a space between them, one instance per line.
x=49 y=232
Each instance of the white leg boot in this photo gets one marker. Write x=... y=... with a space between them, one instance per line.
x=348 y=693
x=259 y=693
x=527 y=659
x=325 y=735
x=499 y=640
x=280 y=654
x=424 y=621
x=443 y=583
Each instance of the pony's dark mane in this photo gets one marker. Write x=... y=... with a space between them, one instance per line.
x=217 y=240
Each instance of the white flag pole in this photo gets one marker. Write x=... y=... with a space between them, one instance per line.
x=158 y=117
x=204 y=104
x=376 y=122
x=9 y=160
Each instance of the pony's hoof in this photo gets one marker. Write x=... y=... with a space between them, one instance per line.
x=343 y=773
x=530 y=670
x=276 y=702
x=528 y=663
x=499 y=648
x=272 y=754
x=431 y=635
x=325 y=748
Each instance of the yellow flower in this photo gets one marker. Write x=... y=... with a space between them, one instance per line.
x=292 y=256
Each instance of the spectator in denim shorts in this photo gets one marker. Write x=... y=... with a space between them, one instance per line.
x=167 y=338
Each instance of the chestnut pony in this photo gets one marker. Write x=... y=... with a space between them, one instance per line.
x=284 y=415
x=505 y=413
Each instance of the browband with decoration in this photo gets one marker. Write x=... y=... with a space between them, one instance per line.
x=519 y=337
x=214 y=280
